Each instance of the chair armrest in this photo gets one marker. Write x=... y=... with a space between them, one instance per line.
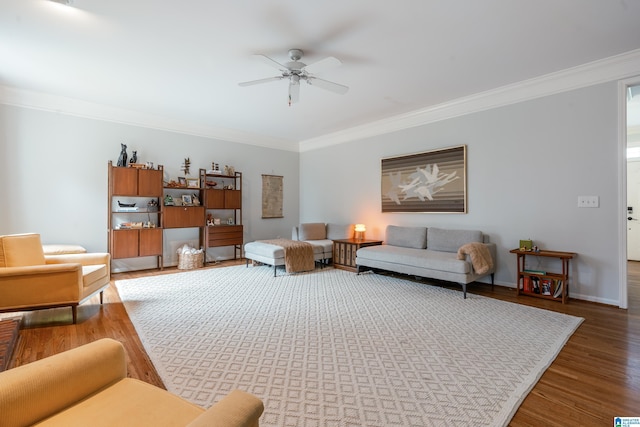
x=40 y=286
x=237 y=409
x=82 y=259
x=35 y=391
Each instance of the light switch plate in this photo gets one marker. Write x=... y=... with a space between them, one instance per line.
x=588 y=201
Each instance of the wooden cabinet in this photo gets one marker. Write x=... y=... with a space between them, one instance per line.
x=183 y=216
x=150 y=242
x=134 y=217
x=222 y=199
x=344 y=252
x=546 y=284
x=136 y=182
x=136 y=243
x=224 y=235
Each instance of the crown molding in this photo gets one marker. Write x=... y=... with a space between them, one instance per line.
x=605 y=70
x=614 y=68
x=75 y=107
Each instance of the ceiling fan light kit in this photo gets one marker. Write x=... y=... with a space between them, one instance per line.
x=295 y=71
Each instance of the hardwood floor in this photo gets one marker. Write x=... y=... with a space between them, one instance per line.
x=595 y=377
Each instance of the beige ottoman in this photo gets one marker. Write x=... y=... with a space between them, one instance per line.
x=270 y=254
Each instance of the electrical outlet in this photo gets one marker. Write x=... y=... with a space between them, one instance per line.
x=588 y=201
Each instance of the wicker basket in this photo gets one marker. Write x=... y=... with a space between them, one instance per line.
x=189 y=261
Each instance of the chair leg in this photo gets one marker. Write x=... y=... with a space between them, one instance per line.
x=101 y=297
x=74 y=313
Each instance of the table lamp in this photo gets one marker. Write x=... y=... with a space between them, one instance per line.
x=360 y=229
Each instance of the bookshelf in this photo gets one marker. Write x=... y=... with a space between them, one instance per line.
x=553 y=285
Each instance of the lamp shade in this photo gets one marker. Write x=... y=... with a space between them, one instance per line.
x=361 y=227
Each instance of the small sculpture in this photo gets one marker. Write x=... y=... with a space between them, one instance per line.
x=134 y=157
x=186 y=165
x=122 y=160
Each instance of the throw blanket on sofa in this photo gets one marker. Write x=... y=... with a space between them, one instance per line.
x=298 y=256
x=480 y=256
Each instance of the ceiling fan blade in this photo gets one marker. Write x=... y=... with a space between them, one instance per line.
x=327 y=85
x=270 y=62
x=257 y=82
x=322 y=65
x=294 y=92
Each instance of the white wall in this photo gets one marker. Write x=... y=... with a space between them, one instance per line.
x=53 y=170
x=526 y=163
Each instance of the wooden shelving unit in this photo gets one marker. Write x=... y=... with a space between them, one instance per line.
x=544 y=284
x=222 y=200
x=135 y=231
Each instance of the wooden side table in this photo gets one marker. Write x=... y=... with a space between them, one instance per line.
x=344 y=252
x=544 y=284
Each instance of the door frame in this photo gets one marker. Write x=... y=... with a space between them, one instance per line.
x=623 y=298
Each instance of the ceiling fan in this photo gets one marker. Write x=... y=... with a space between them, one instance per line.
x=295 y=71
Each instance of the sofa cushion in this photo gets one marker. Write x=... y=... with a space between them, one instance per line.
x=338 y=231
x=421 y=258
x=312 y=231
x=21 y=250
x=63 y=249
x=440 y=239
x=407 y=237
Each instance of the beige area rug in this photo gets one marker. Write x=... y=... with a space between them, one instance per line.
x=331 y=348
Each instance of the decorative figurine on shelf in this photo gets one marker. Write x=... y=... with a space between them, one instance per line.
x=134 y=157
x=152 y=205
x=209 y=220
x=168 y=200
x=122 y=160
x=185 y=166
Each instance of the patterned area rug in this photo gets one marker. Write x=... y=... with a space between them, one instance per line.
x=331 y=348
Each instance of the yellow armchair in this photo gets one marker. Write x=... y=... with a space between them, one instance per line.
x=30 y=280
x=88 y=386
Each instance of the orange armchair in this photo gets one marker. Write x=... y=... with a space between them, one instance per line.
x=30 y=280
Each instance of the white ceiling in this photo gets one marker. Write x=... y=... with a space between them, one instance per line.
x=180 y=61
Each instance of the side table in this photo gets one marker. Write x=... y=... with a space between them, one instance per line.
x=544 y=284
x=344 y=252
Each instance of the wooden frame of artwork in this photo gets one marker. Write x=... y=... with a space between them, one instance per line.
x=432 y=181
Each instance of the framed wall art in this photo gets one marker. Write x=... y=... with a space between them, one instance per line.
x=433 y=181
x=272 y=196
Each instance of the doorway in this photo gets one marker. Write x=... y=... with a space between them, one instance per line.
x=630 y=296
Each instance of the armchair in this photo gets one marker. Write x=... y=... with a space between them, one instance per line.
x=30 y=280
x=88 y=386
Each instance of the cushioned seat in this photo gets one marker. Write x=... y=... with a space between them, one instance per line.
x=322 y=235
x=272 y=254
x=63 y=249
x=88 y=386
x=31 y=280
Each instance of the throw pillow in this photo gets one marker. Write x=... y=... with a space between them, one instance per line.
x=440 y=239
x=337 y=231
x=312 y=231
x=407 y=237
